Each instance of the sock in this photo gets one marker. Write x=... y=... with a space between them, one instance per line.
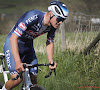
x=3 y=88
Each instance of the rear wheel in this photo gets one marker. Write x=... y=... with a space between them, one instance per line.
x=1 y=85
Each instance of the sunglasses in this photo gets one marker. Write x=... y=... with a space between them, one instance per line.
x=59 y=19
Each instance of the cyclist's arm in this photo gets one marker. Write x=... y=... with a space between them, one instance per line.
x=50 y=50
x=20 y=28
x=50 y=47
x=15 y=52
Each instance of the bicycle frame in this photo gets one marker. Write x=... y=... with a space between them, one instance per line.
x=2 y=68
x=26 y=84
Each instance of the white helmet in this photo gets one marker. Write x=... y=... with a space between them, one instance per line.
x=59 y=9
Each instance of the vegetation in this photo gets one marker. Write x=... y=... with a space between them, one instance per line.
x=74 y=69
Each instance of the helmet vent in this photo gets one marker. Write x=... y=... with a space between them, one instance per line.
x=57 y=10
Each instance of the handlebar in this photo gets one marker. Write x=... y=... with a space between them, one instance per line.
x=32 y=66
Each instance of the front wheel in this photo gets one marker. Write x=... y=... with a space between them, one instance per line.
x=1 y=85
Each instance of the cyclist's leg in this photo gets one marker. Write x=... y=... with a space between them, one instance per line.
x=30 y=58
x=11 y=66
x=34 y=72
x=12 y=83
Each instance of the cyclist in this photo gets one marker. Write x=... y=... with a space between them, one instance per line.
x=18 y=47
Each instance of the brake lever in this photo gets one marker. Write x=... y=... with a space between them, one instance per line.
x=51 y=71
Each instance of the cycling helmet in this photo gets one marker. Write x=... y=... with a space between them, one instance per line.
x=59 y=9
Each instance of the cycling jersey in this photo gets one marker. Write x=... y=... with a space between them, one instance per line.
x=28 y=27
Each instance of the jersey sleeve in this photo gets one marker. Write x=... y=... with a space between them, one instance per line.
x=20 y=29
x=51 y=35
x=23 y=23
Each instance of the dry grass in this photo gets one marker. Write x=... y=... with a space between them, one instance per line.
x=77 y=42
x=80 y=40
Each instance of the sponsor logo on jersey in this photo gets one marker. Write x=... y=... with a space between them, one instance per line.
x=34 y=17
x=33 y=33
x=7 y=56
x=18 y=32
x=36 y=27
x=22 y=26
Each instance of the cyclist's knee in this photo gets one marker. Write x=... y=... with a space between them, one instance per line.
x=33 y=78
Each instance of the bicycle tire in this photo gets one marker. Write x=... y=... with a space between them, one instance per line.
x=1 y=85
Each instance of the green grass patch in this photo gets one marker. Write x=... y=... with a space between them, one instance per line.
x=73 y=70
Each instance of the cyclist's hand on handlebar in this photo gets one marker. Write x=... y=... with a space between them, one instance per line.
x=53 y=66
x=19 y=67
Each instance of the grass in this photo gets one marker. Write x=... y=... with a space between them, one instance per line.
x=2 y=39
x=74 y=69
x=80 y=40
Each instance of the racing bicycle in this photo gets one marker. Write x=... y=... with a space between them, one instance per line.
x=26 y=84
